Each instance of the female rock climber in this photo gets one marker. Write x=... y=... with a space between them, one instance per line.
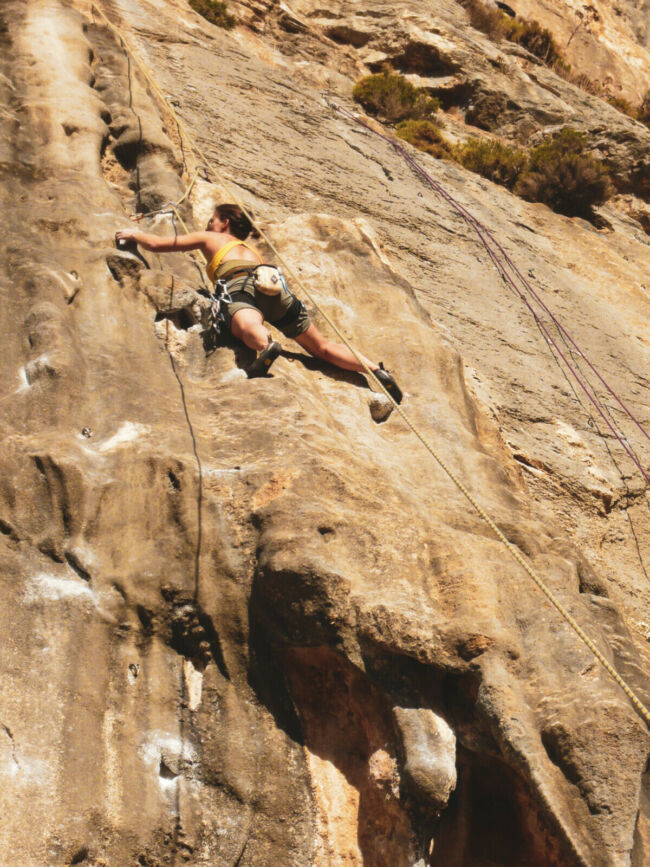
x=232 y=260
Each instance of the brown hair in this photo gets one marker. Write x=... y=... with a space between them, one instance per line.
x=240 y=225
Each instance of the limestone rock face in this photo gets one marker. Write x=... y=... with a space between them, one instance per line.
x=501 y=87
x=247 y=622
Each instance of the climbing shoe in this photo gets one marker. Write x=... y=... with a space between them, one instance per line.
x=388 y=381
x=264 y=360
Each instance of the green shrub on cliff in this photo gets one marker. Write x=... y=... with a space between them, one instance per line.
x=565 y=176
x=622 y=105
x=640 y=112
x=488 y=19
x=536 y=39
x=214 y=11
x=562 y=143
x=424 y=135
x=493 y=160
x=643 y=113
x=560 y=172
x=530 y=34
x=392 y=98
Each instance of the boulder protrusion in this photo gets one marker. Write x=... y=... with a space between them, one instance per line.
x=429 y=747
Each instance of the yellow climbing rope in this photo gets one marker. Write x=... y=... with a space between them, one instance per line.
x=172 y=207
x=169 y=206
x=192 y=148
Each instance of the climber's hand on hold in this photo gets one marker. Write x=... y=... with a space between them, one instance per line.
x=126 y=238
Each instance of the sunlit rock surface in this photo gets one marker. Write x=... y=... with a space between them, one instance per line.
x=245 y=622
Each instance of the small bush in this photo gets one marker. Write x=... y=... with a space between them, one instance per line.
x=493 y=22
x=393 y=98
x=561 y=143
x=622 y=105
x=565 y=177
x=214 y=11
x=487 y=110
x=540 y=42
x=536 y=39
x=643 y=112
x=529 y=34
x=579 y=79
x=492 y=160
x=424 y=135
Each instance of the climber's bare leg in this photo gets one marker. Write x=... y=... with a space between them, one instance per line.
x=336 y=353
x=248 y=325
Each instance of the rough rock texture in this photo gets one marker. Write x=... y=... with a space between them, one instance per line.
x=243 y=623
x=500 y=87
x=606 y=41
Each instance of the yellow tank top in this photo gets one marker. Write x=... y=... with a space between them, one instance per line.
x=216 y=260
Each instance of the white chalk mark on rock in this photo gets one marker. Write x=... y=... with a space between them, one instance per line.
x=54 y=589
x=127 y=433
x=194 y=683
x=165 y=755
x=24 y=381
x=235 y=373
x=380 y=407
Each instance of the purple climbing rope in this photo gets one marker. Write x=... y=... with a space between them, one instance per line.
x=488 y=239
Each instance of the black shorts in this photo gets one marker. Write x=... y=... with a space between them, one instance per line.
x=283 y=311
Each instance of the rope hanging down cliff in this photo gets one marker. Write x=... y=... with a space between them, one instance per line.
x=512 y=276
x=514 y=553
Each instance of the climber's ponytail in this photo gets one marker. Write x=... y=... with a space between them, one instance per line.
x=240 y=225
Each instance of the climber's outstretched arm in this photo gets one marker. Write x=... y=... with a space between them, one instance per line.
x=156 y=244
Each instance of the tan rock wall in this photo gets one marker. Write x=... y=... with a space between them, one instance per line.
x=235 y=610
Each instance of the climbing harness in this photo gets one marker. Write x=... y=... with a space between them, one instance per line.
x=643 y=711
x=218 y=301
x=267 y=279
